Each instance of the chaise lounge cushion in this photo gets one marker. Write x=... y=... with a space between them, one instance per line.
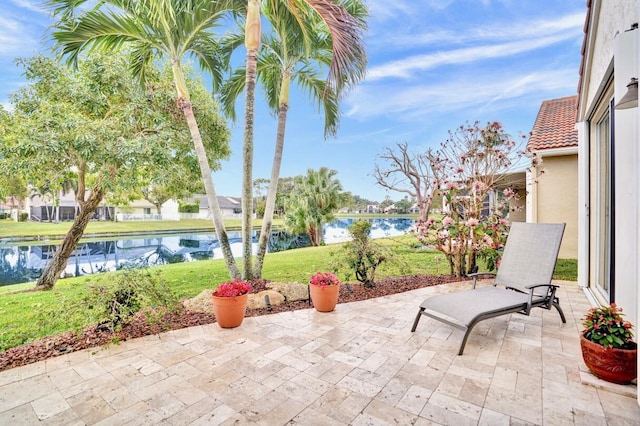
x=465 y=306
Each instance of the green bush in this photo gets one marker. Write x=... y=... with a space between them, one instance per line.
x=189 y=208
x=4 y=216
x=23 y=217
x=361 y=256
x=116 y=298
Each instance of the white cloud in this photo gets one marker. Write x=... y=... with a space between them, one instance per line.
x=482 y=92
x=385 y=9
x=34 y=6
x=496 y=31
x=406 y=68
x=21 y=30
x=10 y=43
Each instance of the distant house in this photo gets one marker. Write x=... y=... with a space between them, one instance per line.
x=65 y=208
x=46 y=209
x=553 y=197
x=495 y=201
x=391 y=209
x=373 y=208
x=231 y=206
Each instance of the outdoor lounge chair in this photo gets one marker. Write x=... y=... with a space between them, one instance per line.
x=523 y=282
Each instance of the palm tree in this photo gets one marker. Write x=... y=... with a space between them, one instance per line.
x=151 y=29
x=314 y=200
x=295 y=52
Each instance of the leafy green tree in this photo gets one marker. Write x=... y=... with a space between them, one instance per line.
x=285 y=187
x=313 y=201
x=403 y=205
x=157 y=195
x=259 y=195
x=296 y=25
x=46 y=195
x=106 y=129
x=150 y=30
x=13 y=190
x=386 y=203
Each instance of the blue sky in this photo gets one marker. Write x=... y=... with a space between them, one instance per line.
x=433 y=65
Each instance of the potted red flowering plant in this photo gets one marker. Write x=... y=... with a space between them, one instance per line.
x=607 y=345
x=230 y=303
x=324 y=289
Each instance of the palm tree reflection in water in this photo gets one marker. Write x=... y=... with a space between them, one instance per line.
x=24 y=263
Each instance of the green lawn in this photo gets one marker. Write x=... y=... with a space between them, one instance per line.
x=9 y=228
x=29 y=316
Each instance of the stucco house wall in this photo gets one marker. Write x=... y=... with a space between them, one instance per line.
x=557 y=192
x=553 y=188
x=609 y=164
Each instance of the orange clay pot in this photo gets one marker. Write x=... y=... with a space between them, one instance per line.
x=611 y=364
x=324 y=298
x=229 y=311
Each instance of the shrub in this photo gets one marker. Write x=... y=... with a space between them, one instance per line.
x=23 y=217
x=116 y=302
x=4 y=216
x=361 y=255
x=189 y=208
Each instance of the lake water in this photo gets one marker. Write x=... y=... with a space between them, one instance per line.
x=23 y=262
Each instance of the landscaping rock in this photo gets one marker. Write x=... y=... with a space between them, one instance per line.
x=292 y=292
x=200 y=303
x=256 y=301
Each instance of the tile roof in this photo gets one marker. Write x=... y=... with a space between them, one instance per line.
x=555 y=124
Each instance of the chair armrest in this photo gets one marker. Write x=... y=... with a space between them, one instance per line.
x=551 y=288
x=531 y=286
x=476 y=274
x=551 y=294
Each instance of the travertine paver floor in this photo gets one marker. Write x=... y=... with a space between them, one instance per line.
x=359 y=365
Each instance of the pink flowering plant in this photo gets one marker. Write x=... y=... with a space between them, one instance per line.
x=473 y=166
x=463 y=235
x=233 y=288
x=324 y=279
x=605 y=326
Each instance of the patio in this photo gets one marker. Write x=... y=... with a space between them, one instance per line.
x=359 y=365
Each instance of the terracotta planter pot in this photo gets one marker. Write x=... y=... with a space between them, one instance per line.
x=324 y=298
x=229 y=311
x=613 y=365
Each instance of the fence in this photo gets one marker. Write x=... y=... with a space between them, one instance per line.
x=138 y=217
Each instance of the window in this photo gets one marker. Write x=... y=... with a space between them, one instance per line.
x=602 y=202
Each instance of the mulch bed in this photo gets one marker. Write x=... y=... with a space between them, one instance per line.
x=95 y=336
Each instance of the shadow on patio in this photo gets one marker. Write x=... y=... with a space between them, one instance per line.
x=358 y=365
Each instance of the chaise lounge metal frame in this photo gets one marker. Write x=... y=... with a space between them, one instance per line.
x=523 y=282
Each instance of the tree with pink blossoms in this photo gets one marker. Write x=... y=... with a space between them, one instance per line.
x=477 y=161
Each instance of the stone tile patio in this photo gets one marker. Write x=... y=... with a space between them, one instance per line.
x=359 y=365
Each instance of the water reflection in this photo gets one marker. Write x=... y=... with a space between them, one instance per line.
x=23 y=263
x=338 y=232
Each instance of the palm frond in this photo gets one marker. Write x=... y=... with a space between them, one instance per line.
x=349 y=57
x=327 y=100
x=230 y=91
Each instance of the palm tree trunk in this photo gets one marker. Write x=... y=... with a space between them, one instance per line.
x=267 y=220
x=252 y=43
x=205 y=171
x=247 y=167
x=55 y=267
